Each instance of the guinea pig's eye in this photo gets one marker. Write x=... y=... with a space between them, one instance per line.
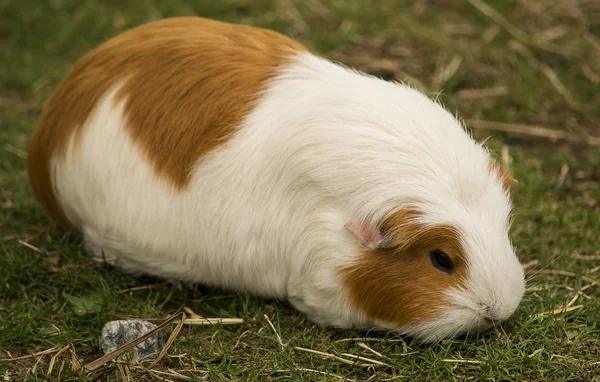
x=441 y=261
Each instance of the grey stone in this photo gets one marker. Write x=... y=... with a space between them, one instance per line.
x=118 y=333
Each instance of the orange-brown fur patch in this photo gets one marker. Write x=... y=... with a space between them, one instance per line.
x=399 y=285
x=503 y=173
x=187 y=82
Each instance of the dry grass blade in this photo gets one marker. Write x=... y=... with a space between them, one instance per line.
x=332 y=356
x=16 y=151
x=562 y=177
x=191 y=313
x=373 y=361
x=174 y=373
x=60 y=370
x=274 y=331
x=550 y=75
x=35 y=366
x=47 y=351
x=30 y=246
x=490 y=33
x=558 y=85
x=75 y=363
x=562 y=310
x=463 y=361
x=170 y=341
x=366 y=347
x=593 y=41
x=431 y=34
x=585 y=258
x=55 y=357
x=171 y=373
x=593 y=270
x=531 y=264
x=446 y=72
x=511 y=29
x=498 y=91
x=141 y=287
x=590 y=74
x=16 y=104
x=411 y=81
x=570 y=303
x=369 y=339
x=557 y=272
x=114 y=354
x=312 y=371
x=532 y=131
x=505 y=157
x=125 y=377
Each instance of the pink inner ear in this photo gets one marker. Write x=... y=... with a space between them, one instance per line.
x=369 y=236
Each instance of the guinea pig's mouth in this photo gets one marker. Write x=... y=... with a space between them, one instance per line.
x=486 y=324
x=478 y=324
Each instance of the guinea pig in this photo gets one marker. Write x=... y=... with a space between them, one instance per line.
x=234 y=157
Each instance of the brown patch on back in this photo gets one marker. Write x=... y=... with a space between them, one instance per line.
x=400 y=285
x=187 y=83
x=503 y=174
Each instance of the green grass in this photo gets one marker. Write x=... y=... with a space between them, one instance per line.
x=557 y=218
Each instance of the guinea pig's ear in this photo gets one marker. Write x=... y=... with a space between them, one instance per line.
x=503 y=172
x=369 y=234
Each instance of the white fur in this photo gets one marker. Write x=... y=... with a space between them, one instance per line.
x=266 y=212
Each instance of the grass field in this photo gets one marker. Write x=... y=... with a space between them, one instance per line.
x=531 y=67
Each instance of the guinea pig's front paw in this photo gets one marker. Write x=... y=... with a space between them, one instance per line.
x=313 y=315
x=327 y=313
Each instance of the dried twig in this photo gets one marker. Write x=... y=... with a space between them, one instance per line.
x=213 y=321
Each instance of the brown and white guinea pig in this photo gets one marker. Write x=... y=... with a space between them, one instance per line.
x=231 y=156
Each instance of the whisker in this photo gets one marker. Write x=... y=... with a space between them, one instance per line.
x=553 y=261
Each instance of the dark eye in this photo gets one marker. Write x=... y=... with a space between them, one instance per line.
x=441 y=261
